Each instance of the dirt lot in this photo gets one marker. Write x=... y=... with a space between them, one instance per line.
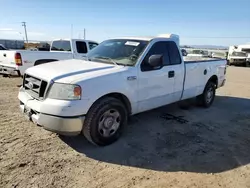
x=210 y=149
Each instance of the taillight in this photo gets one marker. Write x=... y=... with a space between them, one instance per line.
x=18 y=59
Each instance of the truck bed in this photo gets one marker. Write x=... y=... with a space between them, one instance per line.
x=198 y=72
x=192 y=59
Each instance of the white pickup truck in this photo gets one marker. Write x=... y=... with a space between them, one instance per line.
x=15 y=62
x=121 y=77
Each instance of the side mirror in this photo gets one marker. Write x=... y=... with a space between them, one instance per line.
x=155 y=60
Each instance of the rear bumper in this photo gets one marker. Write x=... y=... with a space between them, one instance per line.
x=9 y=70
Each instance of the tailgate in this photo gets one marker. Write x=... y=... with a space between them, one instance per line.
x=7 y=57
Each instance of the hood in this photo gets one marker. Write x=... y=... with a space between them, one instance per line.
x=68 y=71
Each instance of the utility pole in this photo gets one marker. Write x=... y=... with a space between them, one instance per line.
x=71 y=31
x=84 y=34
x=25 y=30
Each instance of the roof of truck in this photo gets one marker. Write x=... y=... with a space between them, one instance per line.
x=148 y=38
x=73 y=39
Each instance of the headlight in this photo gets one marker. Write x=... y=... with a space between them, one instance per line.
x=65 y=91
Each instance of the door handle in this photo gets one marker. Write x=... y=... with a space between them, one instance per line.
x=171 y=74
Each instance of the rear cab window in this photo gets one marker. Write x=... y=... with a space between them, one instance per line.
x=174 y=54
x=81 y=47
x=61 y=45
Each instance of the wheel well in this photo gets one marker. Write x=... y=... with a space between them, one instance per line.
x=42 y=61
x=122 y=98
x=214 y=79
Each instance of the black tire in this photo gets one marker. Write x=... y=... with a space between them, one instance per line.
x=202 y=99
x=91 y=125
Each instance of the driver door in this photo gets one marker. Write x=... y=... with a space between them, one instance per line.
x=155 y=84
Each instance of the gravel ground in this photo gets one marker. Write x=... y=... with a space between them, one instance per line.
x=201 y=148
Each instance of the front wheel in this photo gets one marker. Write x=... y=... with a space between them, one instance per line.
x=104 y=121
x=207 y=97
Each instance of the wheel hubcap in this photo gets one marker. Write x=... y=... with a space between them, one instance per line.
x=109 y=123
x=210 y=94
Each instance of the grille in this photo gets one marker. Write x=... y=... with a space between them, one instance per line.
x=34 y=86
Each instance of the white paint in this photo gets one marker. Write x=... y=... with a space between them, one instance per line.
x=146 y=91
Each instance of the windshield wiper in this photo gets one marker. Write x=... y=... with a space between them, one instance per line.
x=108 y=58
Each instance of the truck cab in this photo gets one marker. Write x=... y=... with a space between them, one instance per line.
x=75 y=46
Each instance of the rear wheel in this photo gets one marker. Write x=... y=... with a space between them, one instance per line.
x=104 y=122
x=207 y=97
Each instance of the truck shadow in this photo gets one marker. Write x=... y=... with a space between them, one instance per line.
x=209 y=141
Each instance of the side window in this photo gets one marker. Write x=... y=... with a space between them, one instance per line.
x=159 y=48
x=92 y=45
x=174 y=53
x=81 y=47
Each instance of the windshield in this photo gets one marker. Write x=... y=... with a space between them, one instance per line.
x=247 y=50
x=239 y=54
x=118 y=51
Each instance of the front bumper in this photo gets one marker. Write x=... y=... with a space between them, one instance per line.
x=9 y=70
x=59 y=123
x=237 y=62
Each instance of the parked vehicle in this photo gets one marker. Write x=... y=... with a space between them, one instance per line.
x=121 y=77
x=32 y=49
x=239 y=55
x=199 y=53
x=246 y=48
x=237 y=58
x=184 y=52
x=17 y=61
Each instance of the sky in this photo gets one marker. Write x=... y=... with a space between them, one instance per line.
x=197 y=22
